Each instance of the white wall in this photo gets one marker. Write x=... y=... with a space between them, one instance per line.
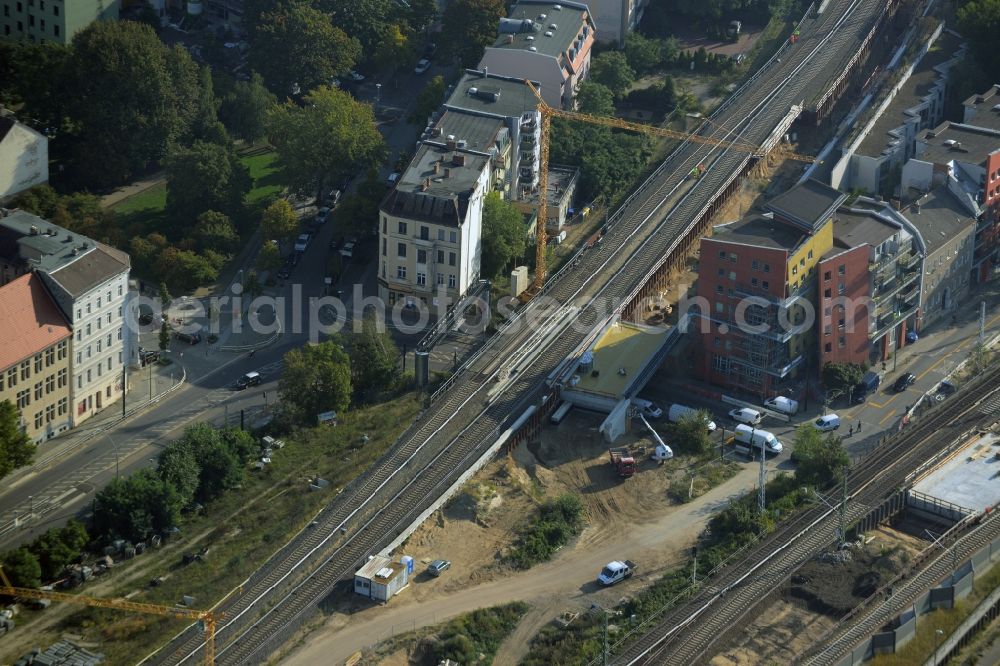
x=24 y=160
x=917 y=174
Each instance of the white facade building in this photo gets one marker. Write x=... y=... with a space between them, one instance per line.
x=24 y=157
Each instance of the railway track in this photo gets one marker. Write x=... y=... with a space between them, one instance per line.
x=466 y=413
x=688 y=632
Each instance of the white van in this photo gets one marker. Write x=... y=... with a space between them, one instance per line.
x=746 y=415
x=827 y=423
x=561 y=412
x=758 y=438
x=678 y=412
x=782 y=405
x=648 y=408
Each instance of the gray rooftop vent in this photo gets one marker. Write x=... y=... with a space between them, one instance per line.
x=548 y=33
x=553 y=27
x=532 y=48
x=450 y=137
x=542 y=17
x=530 y=38
x=33 y=230
x=558 y=8
x=473 y=91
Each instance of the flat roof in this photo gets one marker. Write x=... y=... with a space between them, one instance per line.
x=940 y=218
x=559 y=181
x=968 y=478
x=809 y=203
x=621 y=345
x=911 y=93
x=971 y=144
x=985 y=109
x=57 y=247
x=374 y=568
x=490 y=94
x=538 y=24
x=479 y=132
x=760 y=231
x=853 y=227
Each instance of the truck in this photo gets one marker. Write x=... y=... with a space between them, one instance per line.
x=754 y=438
x=615 y=572
x=677 y=412
x=623 y=462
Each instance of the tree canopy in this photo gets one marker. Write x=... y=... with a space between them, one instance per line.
x=469 y=26
x=204 y=177
x=316 y=379
x=690 y=434
x=429 y=99
x=244 y=110
x=332 y=136
x=609 y=160
x=819 y=457
x=595 y=98
x=279 y=221
x=979 y=22
x=842 y=377
x=611 y=69
x=16 y=448
x=374 y=357
x=504 y=234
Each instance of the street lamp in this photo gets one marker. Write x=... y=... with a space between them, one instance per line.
x=108 y=435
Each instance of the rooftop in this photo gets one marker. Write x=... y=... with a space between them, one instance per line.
x=437 y=184
x=561 y=178
x=984 y=110
x=911 y=93
x=760 y=231
x=32 y=322
x=545 y=27
x=380 y=568
x=489 y=94
x=939 y=217
x=621 y=345
x=953 y=141
x=479 y=132
x=857 y=226
x=807 y=204
x=969 y=478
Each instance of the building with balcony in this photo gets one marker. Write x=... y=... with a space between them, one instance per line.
x=24 y=157
x=88 y=281
x=35 y=357
x=40 y=21
x=430 y=226
x=965 y=159
x=544 y=42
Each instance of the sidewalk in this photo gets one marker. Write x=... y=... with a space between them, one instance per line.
x=132 y=189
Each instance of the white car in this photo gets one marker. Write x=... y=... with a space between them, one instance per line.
x=355 y=76
x=649 y=408
x=782 y=405
x=746 y=415
x=302 y=243
x=827 y=423
x=422 y=66
x=392 y=179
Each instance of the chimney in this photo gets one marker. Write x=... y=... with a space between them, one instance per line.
x=451 y=143
x=896 y=204
x=424 y=185
x=436 y=131
x=458 y=159
x=437 y=167
x=486 y=70
x=916 y=207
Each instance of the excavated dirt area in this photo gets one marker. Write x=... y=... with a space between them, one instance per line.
x=821 y=592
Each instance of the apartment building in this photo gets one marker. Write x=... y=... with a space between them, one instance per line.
x=983 y=110
x=35 y=357
x=965 y=159
x=616 y=18
x=430 y=226
x=40 y=21
x=544 y=42
x=88 y=281
x=24 y=157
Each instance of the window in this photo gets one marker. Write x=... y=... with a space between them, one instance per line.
x=732 y=275
x=826 y=276
x=425 y=233
x=61 y=377
x=119 y=292
x=385 y=245
x=383 y=270
x=12 y=377
x=827 y=330
x=755 y=264
x=63 y=406
x=767 y=268
x=722 y=255
x=402 y=228
x=25 y=370
x=55 y=28
x=841 y=289
x=452 y=281
x=39 y=390
x=401 y=272
x=720 y=363
x=732 y=258
x=50 y=384
x=802 y=262
x=88 y=329
x=828 y=348
x=109 y=317
x=50 y=413
x=50 y=356
x=421 y=256
x=89 y=376
x=452 y=236
x=717 y=342
x=88 y=308
x=98 y=346
x=98 y=302
x=452 y=258
x=109 y=363
x=840 y=324
x=827 y=293
x=23 y=398
x=730 y=292
x=401 y=249
x=842 y=342
x=718 y=289
x=722 y=272
x=441 y=279
x=421 y=279
x=100 y=368
x=810 y=255
x=753 y=282
x=38 y=415
x=79 y=357
x=119 y=335
x=79 y=381
x=61 y=350
x=719 y=307
x=440 y=256
x=38 y=363
x=795 y=270
x=842 y=269
x=765 y=284
x=441 y=235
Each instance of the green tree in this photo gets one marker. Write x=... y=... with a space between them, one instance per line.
x=221 y=470
x=136 y=507
x=428 y=100
x=165 y=296
x=820 y=458
x=269 y=258
x=690 y=434
x=178 y=467
x=469 y=26
x=22 y=568
x=842 y=377
x=316 y=378
x=204 y=177
x=34 y=75
x=205 y=125
x=504 y=234
x=595 y=98
x=644 y=54
x=609 y=160
x=16 y=448
x=240 y=442
x=364 y=20
x=422 y=14
x=244 y=110
x=979 y=22
x=215 y=231
x=357 y=214
x=374 y=357
x=186 y=270
x=294 y=44
x=59 y=547
x=279 y=221
x=164 y=339
x=611 y=69
x=129 y=96
x=332 y=136
x=394 y=48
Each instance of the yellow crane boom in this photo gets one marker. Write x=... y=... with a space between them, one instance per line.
x=548 y=112
x=207 y=618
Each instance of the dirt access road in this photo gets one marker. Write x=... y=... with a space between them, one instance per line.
x=567 y=582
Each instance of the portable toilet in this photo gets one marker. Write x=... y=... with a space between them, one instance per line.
x=408 y=561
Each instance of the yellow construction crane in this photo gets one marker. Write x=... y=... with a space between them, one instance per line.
x=548 y=112
x=207 y=618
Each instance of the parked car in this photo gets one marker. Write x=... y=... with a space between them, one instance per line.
x=357 y=77
x=392 y=179
x=782 y=405
x=322 y=215
x=904 y=382
x=438 y=567
x=422 y=66
x=248 y=380
x=430 y=50
x=190 y=338
x=827 y=423
x=677 y=412
x=868 y=384
x=746 y=415
x=648 y=408
x=302 y=243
